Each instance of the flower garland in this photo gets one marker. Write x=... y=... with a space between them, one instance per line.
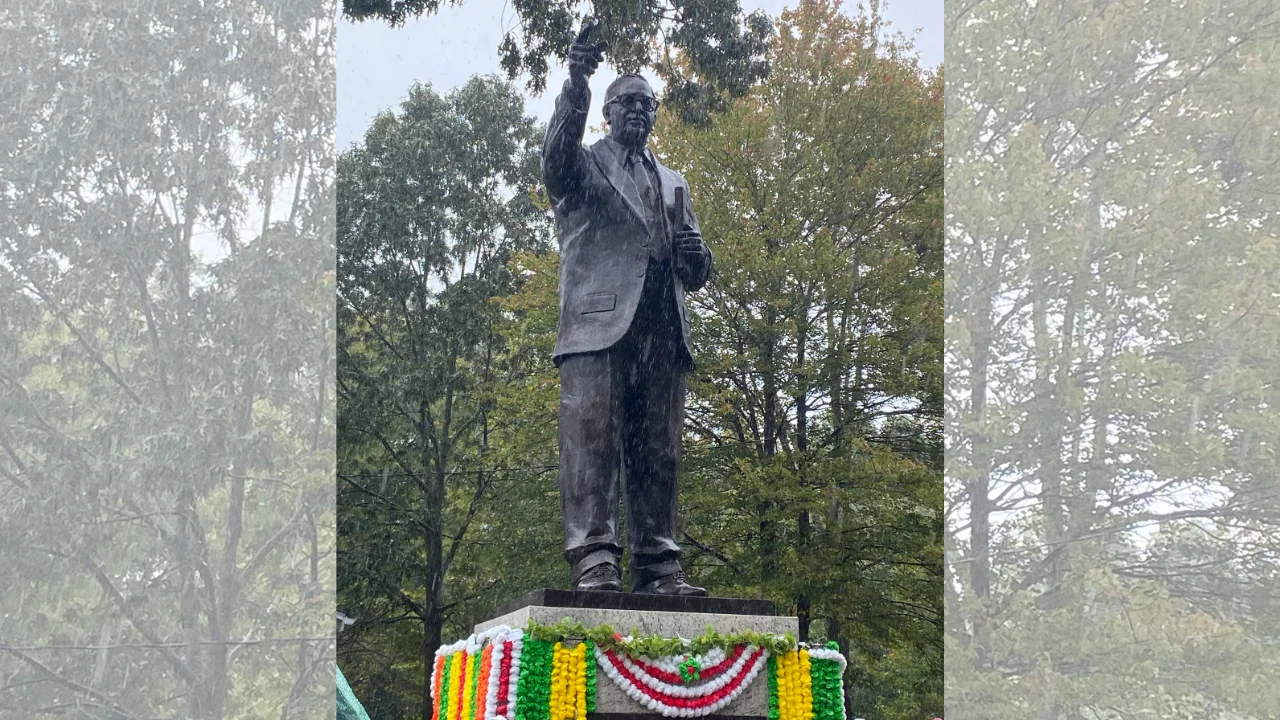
x=437 y=678
x=679 y=700
x=662 y=669
x=808 y=684
x=827 y=671
x=786 y=685
x=480 y=696
x=456 y=684
x=550 y=673
x=589 y=651
x=509 y=683
x=690 y=670
x=535 y=681
x=774 y=713
x=639 y=671
x=569 y=682
x=475 y=678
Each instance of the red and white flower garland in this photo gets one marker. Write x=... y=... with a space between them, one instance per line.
x=504 y=683
x=656 y=687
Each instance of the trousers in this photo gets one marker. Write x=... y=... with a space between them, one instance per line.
x=621 y=418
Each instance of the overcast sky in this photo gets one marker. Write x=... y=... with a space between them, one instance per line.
x=378 y=63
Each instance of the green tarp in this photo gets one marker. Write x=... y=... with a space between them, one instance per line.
x=349 y=708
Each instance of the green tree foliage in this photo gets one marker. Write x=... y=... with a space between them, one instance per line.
x=166 y=337
x=1112 y=334
x=705 y=50
x=430 y=208
x=814 y=467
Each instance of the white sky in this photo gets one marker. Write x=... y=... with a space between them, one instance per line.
x=377 y=63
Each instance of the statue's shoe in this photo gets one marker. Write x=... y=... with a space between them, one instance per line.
x=601 y=578
x=677 y=583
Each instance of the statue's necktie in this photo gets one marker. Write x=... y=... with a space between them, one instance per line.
x=640 y=175
x=643 y=178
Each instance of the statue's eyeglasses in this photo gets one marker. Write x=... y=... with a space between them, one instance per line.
x=648 y=104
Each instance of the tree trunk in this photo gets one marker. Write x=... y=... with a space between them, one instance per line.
x=431 y=628
x=432 y=540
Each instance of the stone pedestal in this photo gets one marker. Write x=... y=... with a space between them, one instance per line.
x=652 y=615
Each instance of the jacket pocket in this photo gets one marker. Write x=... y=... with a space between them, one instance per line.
x=598 y=302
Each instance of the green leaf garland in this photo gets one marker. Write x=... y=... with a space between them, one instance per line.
x=654 y=646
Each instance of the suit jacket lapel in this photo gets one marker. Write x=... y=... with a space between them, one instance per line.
x=613 y=166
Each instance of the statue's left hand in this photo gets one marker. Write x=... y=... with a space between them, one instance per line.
x=691 y=253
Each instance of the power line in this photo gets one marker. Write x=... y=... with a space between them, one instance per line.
x=427 y=473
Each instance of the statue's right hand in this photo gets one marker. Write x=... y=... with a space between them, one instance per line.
x=584 y=55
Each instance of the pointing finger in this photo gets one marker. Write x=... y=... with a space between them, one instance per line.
x=588 y=27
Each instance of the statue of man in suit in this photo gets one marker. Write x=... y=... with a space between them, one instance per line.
x=629 y=250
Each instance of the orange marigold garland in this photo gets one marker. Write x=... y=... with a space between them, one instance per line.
x=436 y=679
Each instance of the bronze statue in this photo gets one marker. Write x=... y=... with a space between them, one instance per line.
x=629 y=250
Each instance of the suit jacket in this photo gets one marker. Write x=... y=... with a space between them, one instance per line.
x=604 y=236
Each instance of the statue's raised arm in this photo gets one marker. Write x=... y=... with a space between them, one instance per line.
x=563 y=160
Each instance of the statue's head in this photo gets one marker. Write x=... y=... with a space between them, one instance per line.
x=630 y=108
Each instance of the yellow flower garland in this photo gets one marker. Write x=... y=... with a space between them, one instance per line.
x=569 y=682
x=557 y=681
x=468 y=679
x=580 y=662
x=806 y=687
x=788 y=687
x=795 y=686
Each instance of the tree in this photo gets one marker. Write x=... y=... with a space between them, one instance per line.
x=430 y=208
x=1111 y=356
x=165 y=348
x=705 y=52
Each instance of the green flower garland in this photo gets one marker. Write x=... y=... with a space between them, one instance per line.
x=654 y=646
x=591 y=676
x=444 y=688
x=475 y=684
x=828 y=687
x=534 y=689
x=774 y=713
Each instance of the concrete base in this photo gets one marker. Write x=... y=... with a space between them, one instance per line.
x=611 y=702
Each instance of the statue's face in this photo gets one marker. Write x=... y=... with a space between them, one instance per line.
x=631 y=111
